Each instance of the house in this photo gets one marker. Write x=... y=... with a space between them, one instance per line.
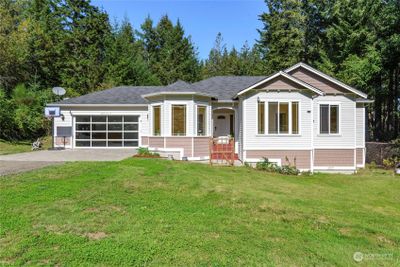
x=299 y=114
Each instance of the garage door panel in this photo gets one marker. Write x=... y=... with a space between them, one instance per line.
x=99 y=127
x=107 y=131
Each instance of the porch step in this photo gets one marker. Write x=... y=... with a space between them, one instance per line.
x=220 y=156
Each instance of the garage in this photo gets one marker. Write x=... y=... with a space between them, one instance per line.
x=107 y=131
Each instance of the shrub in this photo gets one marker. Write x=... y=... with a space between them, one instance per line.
x=145 y=152
x=268 y=166
x=390 y=163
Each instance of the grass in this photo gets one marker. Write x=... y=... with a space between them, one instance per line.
x=158 y=212
x=7 y=147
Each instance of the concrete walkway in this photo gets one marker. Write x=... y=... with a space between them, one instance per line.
x=34 y=160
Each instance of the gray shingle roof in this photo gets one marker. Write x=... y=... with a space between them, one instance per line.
x=221 y=87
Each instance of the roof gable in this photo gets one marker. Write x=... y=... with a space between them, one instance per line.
x=281 y=81
x=321 y=80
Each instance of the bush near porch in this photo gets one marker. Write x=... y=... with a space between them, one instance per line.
x=158 y=212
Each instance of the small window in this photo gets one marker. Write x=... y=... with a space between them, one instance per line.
x=179 y=120
x=328 y=119
x=157 y=120
x=261 y=117
x=201 y=120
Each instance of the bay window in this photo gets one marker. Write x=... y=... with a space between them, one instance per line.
x=157 y=120
x=328 y=119
x=201 y=120
x=178 y=120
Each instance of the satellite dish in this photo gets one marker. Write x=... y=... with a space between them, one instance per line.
x=58 y=91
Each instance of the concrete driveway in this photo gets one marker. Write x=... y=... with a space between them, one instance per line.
x=34 y=160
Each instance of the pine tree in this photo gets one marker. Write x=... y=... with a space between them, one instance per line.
x=221 y=61
x=88 y=30
x=170 y=54
x=124 y=61
x=46 y=43
x=283 y=35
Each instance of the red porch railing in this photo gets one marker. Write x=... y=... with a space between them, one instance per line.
x=222 y=151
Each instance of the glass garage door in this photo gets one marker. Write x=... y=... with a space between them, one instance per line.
x=106 y=131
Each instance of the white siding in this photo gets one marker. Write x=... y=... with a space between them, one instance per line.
x=360 y=125
x=253 y=141
x=347 y=124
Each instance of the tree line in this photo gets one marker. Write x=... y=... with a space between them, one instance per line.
x=73 y=44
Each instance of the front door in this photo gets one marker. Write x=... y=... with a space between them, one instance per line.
x=222 y=124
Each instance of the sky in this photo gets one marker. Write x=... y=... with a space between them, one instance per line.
x=237 y=20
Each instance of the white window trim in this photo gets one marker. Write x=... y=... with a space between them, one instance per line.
x=339 y=133
x=178 y=103
x=266 y=116
x=196 y=120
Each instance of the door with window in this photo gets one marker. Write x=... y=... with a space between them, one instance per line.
x=223 y=122
x=107 y=131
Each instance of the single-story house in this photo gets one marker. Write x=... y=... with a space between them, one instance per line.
x=298 y=115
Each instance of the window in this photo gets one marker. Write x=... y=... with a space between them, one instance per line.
x=273 y=117
x=178 y=120
x=261 y=117
x=328 y=119
x=157 y=120
x=295 y=118
x=201 y=120
x=107 y=131
x=283 y=117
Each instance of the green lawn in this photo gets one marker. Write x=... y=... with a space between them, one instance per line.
x=21 y=146
x=158 y=212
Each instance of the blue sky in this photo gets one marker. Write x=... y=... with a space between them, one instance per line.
x=237 y=20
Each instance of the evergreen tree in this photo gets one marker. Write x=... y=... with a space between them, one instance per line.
x=247 y=61
x=46 y=43
x=283 y=35
x=170 y=54
x=124 y=62
x=88 y=30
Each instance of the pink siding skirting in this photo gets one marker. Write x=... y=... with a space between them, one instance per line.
x=180 y=142
x=301 y=157
x=334 y=157
x=192 y=146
